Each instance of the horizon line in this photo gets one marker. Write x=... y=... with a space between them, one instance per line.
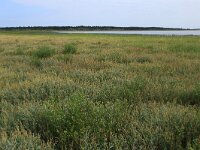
x=93 y=26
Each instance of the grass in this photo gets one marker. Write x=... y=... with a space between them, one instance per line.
x=99 y=91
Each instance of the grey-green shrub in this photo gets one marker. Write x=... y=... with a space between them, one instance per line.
x=70 y=49
x=43 y=52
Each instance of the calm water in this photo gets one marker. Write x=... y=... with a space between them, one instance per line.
x=183 y=32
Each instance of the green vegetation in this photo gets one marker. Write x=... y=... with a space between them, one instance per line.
x=43 y=52
x=99 y=91
x=70 y=49
x=20 y=139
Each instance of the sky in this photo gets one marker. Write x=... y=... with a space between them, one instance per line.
x=144 y=13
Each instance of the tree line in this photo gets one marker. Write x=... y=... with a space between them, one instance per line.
x=86 y=28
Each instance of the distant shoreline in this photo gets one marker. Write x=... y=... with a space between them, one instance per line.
x=91 y=28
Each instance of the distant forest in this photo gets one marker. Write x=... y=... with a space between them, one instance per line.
x=86 y=28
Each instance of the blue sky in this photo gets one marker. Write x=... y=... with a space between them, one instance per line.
x=165 y=13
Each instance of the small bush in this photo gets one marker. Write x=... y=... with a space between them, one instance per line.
x=43 y=52
x=70 y=49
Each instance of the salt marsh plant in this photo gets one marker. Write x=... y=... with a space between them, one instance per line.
x=70 y=49
x=43 y=52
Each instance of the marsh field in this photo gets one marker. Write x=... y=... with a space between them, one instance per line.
x=75 y=91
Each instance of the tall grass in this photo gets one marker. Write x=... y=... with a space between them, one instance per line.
x=101 y=92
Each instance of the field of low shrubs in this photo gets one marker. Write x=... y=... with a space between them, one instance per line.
x=99 y=92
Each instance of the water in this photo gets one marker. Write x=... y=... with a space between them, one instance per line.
x=151 y=32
